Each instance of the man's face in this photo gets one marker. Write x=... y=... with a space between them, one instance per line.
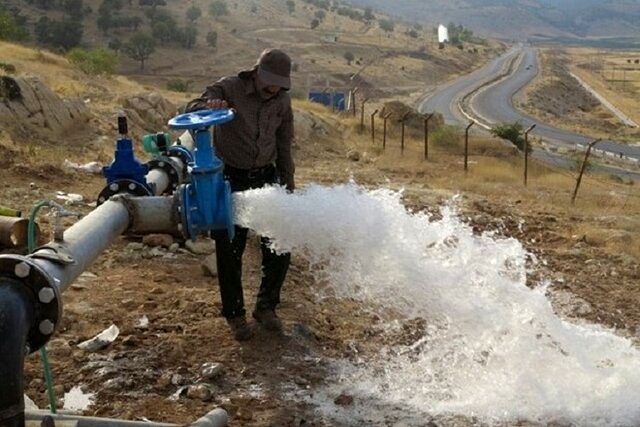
x=266 y=91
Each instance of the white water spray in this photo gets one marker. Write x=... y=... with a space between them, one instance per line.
x=494 y=348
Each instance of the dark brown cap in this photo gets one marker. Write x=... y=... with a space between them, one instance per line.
x=274 y=68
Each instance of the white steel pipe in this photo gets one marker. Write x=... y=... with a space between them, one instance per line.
x=89 y=237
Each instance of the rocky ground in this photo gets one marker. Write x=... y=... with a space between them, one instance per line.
x=175 y=359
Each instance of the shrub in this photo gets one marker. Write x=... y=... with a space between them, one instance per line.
x=179 y=85
x=218 y=8
x=212 y=39
x=511 y=132
x=95 y=62
x=8 y=68
x=446 y=135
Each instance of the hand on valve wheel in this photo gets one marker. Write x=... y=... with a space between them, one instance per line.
x=216 y=104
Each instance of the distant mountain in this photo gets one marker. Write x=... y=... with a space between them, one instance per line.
x=520 y=19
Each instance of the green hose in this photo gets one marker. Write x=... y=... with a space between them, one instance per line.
x=31 y=246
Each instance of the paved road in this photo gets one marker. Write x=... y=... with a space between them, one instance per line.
x=444 y=100
x=494 y=104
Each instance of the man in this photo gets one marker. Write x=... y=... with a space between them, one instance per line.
x=256 y=150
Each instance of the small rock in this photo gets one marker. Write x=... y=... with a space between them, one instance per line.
x=177 y=379
x=209 y=266
x=353 y=155
x=211 y=370
x=199 y=391
x=162 y=240
x=165 y=380
x=134 y=247
x=229 y=406
x=205 y=246
x=344 y=400
x=174 y=248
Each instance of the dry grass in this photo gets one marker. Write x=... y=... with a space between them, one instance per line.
x=604 y=72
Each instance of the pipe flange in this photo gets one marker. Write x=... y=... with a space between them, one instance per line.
x=170 y=168
x=126 y=186
x=45 y=294
x=183 y=214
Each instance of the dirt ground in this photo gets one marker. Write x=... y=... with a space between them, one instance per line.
x=136 y=375
x=590 y=251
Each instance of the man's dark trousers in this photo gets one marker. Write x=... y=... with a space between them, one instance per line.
x=229 y=253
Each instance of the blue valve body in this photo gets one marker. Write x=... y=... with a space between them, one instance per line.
x=126 y=166
x=206 y=201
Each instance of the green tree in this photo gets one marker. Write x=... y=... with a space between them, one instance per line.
x=349 y=57
x=320 y=15
x=140 y=47
x=10 y=29
x=189 y=37
x=386 y=25
x=368 y=14
x=218 y=8
x=193 y=13
x=63 y=34
x=314 y=23
x=212 y=39
x=74 y=8
x=291 y=6
x=104 y=22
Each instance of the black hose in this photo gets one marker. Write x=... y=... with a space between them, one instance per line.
x=17 y=311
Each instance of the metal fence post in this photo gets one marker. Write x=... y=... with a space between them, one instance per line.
x=526 y=152
x=402 y=120
x=582 y=169
x=373 y=126
x=364 y=101
x=426 y=136
x=384 y=130
x=466 y=146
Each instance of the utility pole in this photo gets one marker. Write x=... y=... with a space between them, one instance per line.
x=526 y=152
x=582 y=169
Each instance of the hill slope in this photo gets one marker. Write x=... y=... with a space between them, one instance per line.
x=247 y=28
x=523 y=18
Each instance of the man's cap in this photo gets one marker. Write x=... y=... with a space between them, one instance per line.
x=274 y=68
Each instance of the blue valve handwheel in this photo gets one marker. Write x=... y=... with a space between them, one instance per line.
x=202 y=119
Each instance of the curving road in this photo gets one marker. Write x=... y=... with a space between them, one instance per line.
x=493 y=103
x=446 y=97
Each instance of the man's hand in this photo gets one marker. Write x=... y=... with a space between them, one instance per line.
x=216 y=104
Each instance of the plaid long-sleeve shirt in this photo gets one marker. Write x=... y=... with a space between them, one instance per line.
x=262 y=131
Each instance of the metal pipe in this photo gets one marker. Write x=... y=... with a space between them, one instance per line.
x=216 y=418
x=17 y=311
x=159 y=179
x=13 y=232
x=152 y=214
x=88 y=238
x=84 y=242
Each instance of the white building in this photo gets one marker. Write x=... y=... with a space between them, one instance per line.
x=443 y=34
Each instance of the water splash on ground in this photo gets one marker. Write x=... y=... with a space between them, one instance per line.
x=494 y=348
